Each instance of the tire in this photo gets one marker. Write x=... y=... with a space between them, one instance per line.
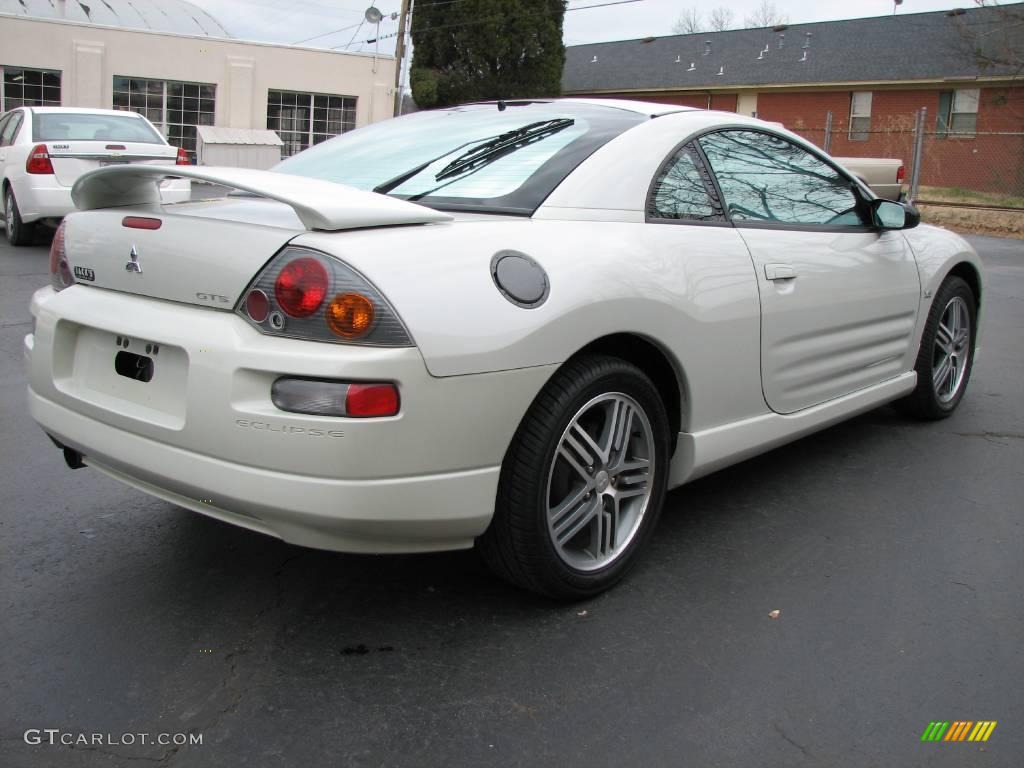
x=555 y=530
x=937 y=394
x=18 y=232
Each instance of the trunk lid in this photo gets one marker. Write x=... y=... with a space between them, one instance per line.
x=71 y=159
x=204 y=254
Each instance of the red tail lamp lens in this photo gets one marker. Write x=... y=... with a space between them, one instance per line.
x=257 y=304
x=39 y=160
x=301 y=286
x=901 y=173
x=60 y=271
x=368 y=400
x=350 y=315
x=183 y=157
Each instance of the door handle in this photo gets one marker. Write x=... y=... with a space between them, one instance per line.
x=779 y=272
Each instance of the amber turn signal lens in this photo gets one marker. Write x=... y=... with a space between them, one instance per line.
x=350 y=315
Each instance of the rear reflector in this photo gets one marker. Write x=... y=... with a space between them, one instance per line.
x=141 y=222
x=372 y=400
x=322 y=397
x=39 y=160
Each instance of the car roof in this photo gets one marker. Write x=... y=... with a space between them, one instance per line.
x=651 y=108
x=83 y=111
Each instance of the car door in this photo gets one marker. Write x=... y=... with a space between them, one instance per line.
x=839 y=297
x=6 y=121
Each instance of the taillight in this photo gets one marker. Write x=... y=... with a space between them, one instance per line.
x=39 y=160
x=326 y=397
x=367 y=400
x=301 y=286
x=305 y=294
x=60 y=270
x=901 y=174
x=183 y=158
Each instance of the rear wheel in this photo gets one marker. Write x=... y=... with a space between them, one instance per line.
x=18 y=232
x=583 y=482
x=946 y=355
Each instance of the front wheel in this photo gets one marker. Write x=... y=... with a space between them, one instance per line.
x=946 y=355
x=583 y=482
x=18 y=232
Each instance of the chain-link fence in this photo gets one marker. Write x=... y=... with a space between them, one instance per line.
x=979 y=169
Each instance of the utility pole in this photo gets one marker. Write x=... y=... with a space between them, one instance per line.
x=400 y=56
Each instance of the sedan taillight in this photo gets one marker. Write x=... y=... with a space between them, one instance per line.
x=39 y=160
x=60 y=270
x=901 y=173
x=183 y=158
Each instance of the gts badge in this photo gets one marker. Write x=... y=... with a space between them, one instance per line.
x=216 y=298
x=84 y=273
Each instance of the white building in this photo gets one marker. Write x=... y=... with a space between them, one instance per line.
x=180 y=68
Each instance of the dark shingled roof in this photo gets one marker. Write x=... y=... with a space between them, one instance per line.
x=913 y=46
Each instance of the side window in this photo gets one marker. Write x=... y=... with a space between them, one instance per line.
x=766 y=178
x=683 y=190
x=3 y=126
x=10 y=129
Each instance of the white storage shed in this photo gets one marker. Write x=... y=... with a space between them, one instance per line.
x=237 y=147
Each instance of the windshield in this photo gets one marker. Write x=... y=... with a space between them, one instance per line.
x=63 y=126
x=474 y=157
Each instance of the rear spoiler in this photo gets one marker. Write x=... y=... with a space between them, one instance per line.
x=319 y=204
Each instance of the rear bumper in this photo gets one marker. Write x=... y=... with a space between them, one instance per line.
x=212 y=441
x=398 y=514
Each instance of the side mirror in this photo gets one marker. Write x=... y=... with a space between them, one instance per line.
x=887 y=214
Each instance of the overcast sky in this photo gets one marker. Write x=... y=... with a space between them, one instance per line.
x=294 y=20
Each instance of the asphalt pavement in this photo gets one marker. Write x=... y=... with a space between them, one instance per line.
x=893 y=551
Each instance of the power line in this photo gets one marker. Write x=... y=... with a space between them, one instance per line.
x=332 y=32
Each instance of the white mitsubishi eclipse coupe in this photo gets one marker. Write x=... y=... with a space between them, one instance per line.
x=513 y=325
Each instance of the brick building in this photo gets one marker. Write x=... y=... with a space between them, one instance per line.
x=873 y=75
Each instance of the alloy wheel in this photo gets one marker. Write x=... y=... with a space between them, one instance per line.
x=952 y=350
x=599 y=484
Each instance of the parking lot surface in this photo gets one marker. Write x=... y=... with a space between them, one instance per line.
x=893 y=551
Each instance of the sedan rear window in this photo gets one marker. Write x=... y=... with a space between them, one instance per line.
x=504 y=157
x=62 y=126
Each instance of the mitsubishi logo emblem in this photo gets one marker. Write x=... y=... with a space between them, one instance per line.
x=133 y=265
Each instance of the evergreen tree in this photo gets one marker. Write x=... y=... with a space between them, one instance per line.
x=476 y=50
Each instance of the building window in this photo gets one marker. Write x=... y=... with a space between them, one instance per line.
x=29 y=88
x=860 y=115
x=305 y=119
x=958 y=112
x=174 y=107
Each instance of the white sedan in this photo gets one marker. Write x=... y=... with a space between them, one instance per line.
x=513 y=325
x=43 y=151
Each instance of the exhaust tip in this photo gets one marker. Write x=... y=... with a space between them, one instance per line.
x=73 y=458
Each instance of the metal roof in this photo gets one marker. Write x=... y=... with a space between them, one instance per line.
x=176 y=16
x=914 y=46
x=218 y=135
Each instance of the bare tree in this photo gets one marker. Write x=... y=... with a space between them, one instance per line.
x=688 y=23
x=765 y=15
x=995 y=43
x=720 y=19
